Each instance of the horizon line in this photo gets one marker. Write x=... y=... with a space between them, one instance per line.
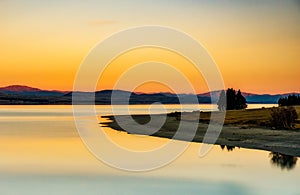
x=68 y=91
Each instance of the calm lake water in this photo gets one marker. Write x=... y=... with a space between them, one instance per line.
x=41 y=153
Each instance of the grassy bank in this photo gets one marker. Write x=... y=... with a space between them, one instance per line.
x=242 y=128
x=242 y=118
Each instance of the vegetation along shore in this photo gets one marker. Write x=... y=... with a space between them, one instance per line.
x=272 y=129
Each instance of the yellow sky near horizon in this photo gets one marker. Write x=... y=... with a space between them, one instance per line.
x=164 y=70
x=255 y=44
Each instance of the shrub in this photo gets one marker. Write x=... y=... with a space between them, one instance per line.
x=283 y=117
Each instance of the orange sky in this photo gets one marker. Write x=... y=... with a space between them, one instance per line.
x=255 y=44
x=131 y=64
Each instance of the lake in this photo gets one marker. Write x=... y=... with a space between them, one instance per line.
x=42 y=153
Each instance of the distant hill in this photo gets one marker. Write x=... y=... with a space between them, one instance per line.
x=104 y=97
x=266 y=98
x=19 y=94
x=23 y=90
x=19 y=88
x=251 y=97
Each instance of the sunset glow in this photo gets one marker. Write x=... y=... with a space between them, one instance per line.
x=256 y=44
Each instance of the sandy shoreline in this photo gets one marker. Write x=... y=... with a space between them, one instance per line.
x=282 y=141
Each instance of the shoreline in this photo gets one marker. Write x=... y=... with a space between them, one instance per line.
x=245 y=136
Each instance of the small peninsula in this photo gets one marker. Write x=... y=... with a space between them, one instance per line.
x=247 y=128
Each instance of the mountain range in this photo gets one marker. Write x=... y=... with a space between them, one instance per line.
x=19 y=94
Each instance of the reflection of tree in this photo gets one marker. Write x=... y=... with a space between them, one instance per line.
x=283 y=161
x=229 y=148
x=222 y=147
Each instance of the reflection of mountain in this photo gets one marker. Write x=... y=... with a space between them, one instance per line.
x=229 y=148
x=18 y=94
x=283 y=161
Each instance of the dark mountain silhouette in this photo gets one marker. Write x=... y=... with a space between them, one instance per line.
x=28 y=91
x=120 y=97
x=266 y=98
x=251 y=97
x=19 y=88
x=18 y=94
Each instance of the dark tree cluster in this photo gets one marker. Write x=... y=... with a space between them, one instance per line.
x=232 y=100
x=283 y=117
x=291 y=100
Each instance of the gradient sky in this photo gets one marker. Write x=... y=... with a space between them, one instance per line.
x=256 y=43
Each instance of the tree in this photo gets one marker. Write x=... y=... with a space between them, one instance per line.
x=234 y=101
x=240 y=101
x=291 y=100
x=230 y=99
x=222 y=101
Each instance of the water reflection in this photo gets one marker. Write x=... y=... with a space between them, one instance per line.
x=283 y=161
x=229 y=148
